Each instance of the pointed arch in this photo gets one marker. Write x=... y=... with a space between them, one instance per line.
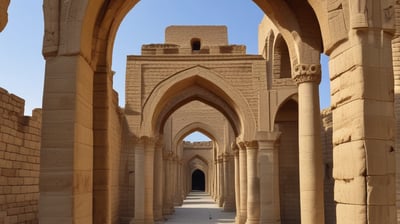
x=282 y=66
x=205 y=129
x=197 y=83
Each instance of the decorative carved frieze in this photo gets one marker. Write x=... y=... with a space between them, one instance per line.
x=307 y=73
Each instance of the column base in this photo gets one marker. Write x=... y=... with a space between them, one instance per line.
x=168 y=211
x=136 y=221
x=270 y=221
x=229 y=206
x=141 y=221
x=238 y=219
x=241 y=220
x=253 y=221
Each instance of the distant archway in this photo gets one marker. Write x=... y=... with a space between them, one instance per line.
x=198 y=181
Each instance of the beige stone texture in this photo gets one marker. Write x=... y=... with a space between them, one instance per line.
x=89 y=151
x=19 y=160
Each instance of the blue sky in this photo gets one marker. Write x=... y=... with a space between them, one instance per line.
x=22 y=64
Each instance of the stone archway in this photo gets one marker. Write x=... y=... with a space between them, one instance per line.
x=79 y=37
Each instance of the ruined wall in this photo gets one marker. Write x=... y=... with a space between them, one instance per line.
x=19 y=161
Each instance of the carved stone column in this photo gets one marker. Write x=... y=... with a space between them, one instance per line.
x=158 y=181
x=243 y=183
x=253 y=184
x=175 y=180
x=308 y=77
x=139 y=183
x=269 y=177
x=235 y=149
x=149 y=180
x=216 y=185
x=220 y=181
x=229 y=194
x=168 y=190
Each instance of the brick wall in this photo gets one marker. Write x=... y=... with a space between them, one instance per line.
x=19 y=161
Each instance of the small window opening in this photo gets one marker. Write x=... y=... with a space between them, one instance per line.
x=196 y=44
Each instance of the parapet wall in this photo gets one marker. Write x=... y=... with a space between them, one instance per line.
x=19 y=160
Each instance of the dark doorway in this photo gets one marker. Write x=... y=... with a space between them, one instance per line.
x=198 y=181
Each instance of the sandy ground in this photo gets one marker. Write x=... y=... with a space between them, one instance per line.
x=198 y=208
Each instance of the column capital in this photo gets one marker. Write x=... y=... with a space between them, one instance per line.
x=227 y=157
x=268 y=140
x=307 y=73
x=235 y=148
x=168 y=155
x=250 y=145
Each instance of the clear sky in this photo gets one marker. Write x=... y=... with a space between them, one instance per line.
x=22 y=64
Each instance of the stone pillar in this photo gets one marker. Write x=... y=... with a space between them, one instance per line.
x=158 y=182
x=364 y=165
x=175 y=180
x=144 y=181
x=229 y=183
x=139 y=183
x=182 y=182
x=253 y=184
x=237 y=182
x=168 y=189
x=243 y=183
x=308 y=77
x=269 y=177
x=149 y=180
x=216 y=184
x=66 y=154
x=220 y=181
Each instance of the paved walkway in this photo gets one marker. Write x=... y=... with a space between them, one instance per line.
x=199 y=208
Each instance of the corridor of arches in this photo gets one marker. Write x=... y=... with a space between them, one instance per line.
x=102 y=164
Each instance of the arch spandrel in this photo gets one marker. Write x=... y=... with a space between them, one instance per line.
x=196 y=77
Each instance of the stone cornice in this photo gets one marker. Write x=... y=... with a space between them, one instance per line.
x=307 y=73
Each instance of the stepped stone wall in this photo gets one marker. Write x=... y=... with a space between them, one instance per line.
x=19 y=161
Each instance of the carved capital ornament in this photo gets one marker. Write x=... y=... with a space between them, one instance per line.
x=307 y=73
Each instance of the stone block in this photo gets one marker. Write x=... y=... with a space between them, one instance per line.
x=379 y=120
x=381 y=190
x=382 y=214
x=56 y=205
x=348 y=123
x=349 y=160
x=381 y=158
x=350 y=191
x=351 y=214
x=61 y=181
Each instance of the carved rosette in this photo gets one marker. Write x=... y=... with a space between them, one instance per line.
x=307 y=73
